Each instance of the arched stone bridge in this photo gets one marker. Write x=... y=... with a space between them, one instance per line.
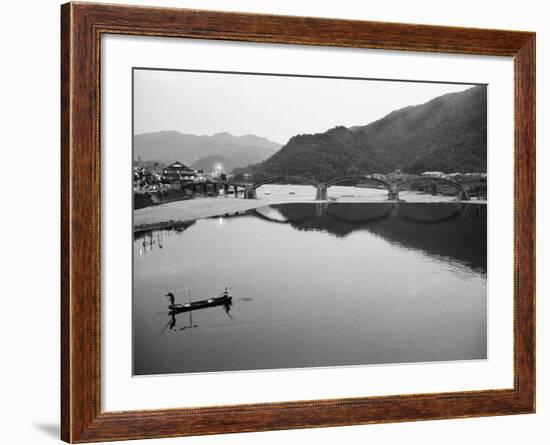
x=393 y=187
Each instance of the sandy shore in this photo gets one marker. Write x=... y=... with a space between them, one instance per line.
x=193 y=209
x=182 y=211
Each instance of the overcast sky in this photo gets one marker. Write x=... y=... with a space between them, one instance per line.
x=270 y=106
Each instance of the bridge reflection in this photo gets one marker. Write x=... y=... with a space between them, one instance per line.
x=425 y=213
x=456 y=230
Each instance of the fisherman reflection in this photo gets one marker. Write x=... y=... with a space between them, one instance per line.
x=227 y=308
x=171 y=322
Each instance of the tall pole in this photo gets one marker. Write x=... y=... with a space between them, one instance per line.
x=190 y=310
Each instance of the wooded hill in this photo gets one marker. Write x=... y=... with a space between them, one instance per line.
x=448 y=133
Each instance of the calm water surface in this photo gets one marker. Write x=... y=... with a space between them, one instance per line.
x=315 y=285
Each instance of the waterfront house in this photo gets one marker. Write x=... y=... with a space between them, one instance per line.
x=177 y=172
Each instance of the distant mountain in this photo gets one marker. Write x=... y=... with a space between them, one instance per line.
x=448 y=133
x=169 y=146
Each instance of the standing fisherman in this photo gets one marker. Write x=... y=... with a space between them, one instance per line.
x=170 y=295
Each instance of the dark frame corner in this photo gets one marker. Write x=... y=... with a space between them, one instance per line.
x=82 y=25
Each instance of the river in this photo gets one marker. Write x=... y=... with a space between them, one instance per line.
x=314 y=284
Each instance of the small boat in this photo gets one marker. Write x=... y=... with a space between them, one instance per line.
x=224 y=299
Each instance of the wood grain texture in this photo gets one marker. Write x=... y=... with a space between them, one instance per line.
x=82 y=27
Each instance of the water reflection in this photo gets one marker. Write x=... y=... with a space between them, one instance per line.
x=452 y=230
x=151 y=239
x=314 y=285
x=457 y=231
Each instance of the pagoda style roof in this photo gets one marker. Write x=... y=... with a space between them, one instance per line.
x=179 y=165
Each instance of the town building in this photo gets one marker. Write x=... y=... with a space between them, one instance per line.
x=178 y=172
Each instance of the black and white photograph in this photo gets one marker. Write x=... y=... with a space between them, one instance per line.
x=302 y=221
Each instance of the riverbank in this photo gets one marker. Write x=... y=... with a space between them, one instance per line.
x=190 y=210
x=182 y=212
x=147 y=199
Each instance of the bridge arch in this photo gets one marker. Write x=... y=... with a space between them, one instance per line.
x=462 y=192
x=323 y=193
x=456 y=185
x=332 y=182
x=274 y=179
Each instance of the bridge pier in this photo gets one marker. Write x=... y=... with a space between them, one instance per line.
x=463 y=195
x=393 y=194
x=321 y=194
x=249 y=193
x=321 y=208
x=395 y=208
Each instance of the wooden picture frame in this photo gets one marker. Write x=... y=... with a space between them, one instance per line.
x=82 y=26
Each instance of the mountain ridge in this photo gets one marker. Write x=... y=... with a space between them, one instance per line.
x=447 y=133
x=168 y=146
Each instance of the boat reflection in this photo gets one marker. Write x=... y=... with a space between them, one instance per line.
x=224 y=300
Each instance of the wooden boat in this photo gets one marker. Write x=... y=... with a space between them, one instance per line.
x=201 y=304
